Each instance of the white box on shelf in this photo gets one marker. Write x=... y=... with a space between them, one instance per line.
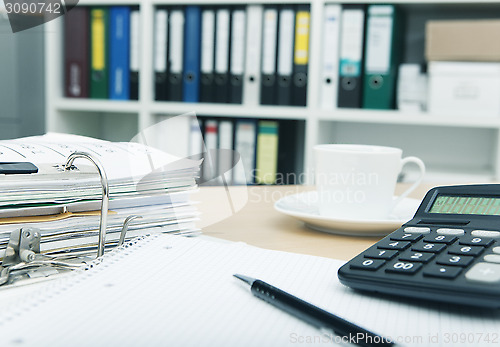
x=464 y=89
x=412 y=89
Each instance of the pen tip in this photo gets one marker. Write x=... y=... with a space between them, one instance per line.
x=245 y=279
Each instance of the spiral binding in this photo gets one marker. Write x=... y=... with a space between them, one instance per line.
x=50 y=289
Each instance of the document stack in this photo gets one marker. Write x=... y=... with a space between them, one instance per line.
x=147 y=187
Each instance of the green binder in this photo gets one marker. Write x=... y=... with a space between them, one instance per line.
x=99 y=24
x=382 y=56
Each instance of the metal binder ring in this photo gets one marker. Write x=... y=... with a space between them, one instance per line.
x=105 y=195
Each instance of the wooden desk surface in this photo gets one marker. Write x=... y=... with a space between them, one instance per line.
x=259 y=224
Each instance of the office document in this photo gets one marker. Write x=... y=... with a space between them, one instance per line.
x=175 y=54
x=135 y=52
x=330 y=65
x=180 y=291
x=237 y=59
x=76 y=53
x=251 y=83
x=160 y=53
x=268 y=68
x=207 y=55
x=351 y=56
x=62 y=204
x=222 y=37
x=382 y=57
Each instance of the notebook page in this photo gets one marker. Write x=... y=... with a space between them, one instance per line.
x=174 y=291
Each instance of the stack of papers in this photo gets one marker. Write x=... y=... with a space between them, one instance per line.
x=65 y=204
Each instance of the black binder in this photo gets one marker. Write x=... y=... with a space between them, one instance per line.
x=174 y=78
x=350 y=86
x=286 y=31
x=222 y=49
x=269 y=54
x=237 y=48
x=301 y=55
x=207 y=83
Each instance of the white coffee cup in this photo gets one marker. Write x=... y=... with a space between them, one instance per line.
x=358 y=181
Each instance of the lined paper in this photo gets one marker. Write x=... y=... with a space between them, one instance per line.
x=172 y=291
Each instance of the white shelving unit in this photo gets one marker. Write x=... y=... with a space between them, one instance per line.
x=467 y=147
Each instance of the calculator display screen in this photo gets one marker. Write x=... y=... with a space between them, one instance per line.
x=466 y=205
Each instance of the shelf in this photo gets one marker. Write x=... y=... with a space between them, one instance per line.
x=228 y=110
x=88 y=105
x=398 y=117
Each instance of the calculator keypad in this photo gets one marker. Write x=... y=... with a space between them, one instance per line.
x=441 y=253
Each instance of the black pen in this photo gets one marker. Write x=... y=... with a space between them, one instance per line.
x=313 y=315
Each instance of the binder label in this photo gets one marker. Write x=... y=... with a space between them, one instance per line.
x=134 y=41
x=285 y=49
x=176 y=41
x=222 y=41
x=238 y=43
x=269 y=44
x=161 y=34
x=378 y=50
x=207 y=41
x=302 y=38
x=98 y=40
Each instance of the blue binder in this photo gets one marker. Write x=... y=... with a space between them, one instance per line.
x=192 y=48
x=119 y=82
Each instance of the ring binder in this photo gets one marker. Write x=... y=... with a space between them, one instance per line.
x=23 y=250
x=105 y=195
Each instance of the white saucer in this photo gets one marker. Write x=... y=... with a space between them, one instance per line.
x=303 y=206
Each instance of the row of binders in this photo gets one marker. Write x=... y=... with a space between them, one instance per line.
x=250 y=151
x=361 y=52
x=232 y=54
x=101 y=52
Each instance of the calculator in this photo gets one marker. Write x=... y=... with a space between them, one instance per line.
x=448 y=252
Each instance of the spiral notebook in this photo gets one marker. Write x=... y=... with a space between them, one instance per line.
x=167 y=290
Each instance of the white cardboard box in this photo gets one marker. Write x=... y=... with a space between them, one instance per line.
x=464 y=89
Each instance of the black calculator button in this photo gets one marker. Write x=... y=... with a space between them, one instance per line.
x=428 y=247
x=484 y=272
x=448 y=239
x=475 y=241
x=465 y=250
x=366 y=264
x=448 y=272
x=405 y=237
x=404 y=267
x=380 y=254
x=454 y=260
x=420 y=257
x=388 y=244
x=486 y=233
x=450 y=231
